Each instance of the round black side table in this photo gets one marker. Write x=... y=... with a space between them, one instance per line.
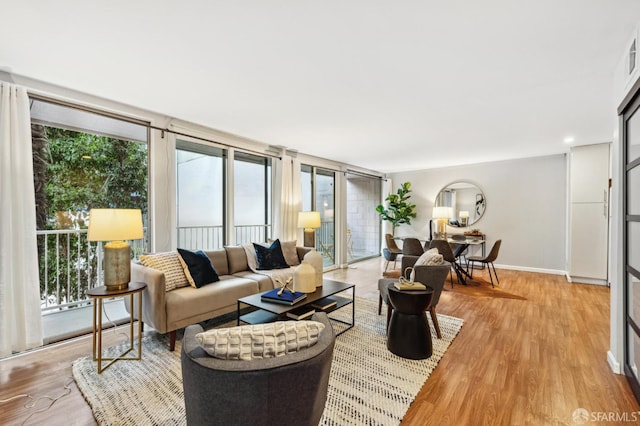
x=409 y=335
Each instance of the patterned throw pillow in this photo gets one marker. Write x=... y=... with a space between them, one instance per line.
x=197 y=268
x=259 y=341
x=430 y=257
x=270 y=257
x=168 y=264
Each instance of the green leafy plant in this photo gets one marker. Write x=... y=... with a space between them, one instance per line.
x=399 y=210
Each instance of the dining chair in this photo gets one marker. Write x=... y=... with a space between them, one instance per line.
x=393 y=251
x=447 y=254
x=488 y=260
x=412 y=247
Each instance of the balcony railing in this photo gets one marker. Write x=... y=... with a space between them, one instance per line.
x=70 y=265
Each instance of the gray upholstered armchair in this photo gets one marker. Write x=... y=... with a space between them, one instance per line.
x=287 y=390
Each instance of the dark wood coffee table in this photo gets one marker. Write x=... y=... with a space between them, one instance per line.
x=269 y=311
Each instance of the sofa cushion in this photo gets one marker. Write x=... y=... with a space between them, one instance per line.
x=218 y=259
x=290 y=252
x=169 y=264
x=248 y=342
x=237 y=259
x=186 y=305
x=197 y=267
x=270 y=257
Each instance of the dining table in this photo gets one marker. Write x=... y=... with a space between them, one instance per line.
x=459 y=245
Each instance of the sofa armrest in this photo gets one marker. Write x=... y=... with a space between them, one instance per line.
x=154 y=310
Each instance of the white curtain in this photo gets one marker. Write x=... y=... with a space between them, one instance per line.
x=20 y=317
x=290 y=191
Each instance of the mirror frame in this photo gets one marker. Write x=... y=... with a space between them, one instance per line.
x=477 y=211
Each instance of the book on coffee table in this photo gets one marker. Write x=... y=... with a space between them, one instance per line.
x=324 y=304
x=301 y=313
x=285 y=298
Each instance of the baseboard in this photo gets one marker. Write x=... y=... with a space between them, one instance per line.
x=613 y=363
x=583 y=280
x=529 y=269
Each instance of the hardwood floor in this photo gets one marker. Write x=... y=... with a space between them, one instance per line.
x=514 y=362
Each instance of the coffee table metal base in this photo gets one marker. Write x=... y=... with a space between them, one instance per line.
x=269 y=312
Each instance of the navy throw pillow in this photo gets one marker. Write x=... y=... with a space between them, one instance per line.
x=197 y=267
x=270 y=257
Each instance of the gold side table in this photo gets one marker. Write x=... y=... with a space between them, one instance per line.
x=101 y=293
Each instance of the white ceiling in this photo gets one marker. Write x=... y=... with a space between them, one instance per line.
x=386 y=85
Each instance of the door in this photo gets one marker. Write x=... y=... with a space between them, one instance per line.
x=631 y=239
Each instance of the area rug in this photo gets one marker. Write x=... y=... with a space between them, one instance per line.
x=368 y=384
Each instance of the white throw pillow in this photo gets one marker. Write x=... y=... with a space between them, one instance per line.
x=430 y=257
x=170 y=265
x=259 y=341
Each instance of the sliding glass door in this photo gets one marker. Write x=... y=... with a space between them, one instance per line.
x=200 y=195
x=363 y=222
x=318 y=194
x=631 y=240
x=252 y=198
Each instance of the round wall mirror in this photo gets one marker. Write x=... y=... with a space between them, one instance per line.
x=463 y=202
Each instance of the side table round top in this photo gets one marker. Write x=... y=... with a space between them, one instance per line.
x=410 y=301
x=103 y=292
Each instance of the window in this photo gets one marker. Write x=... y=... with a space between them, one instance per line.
x=252 y=198
x=81 y=160
x=318 y=194
x=200 y=172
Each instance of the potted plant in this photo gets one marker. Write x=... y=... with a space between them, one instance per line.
x=399 y=210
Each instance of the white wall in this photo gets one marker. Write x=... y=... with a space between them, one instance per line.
x=526 y=208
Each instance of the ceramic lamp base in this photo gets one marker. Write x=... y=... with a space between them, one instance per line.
x=309 y=238
x=117 y=265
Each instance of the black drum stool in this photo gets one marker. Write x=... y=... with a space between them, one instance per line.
x=409 y=335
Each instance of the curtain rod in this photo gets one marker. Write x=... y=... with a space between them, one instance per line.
x=139 y=122
x=357 y=173
x=212 y=141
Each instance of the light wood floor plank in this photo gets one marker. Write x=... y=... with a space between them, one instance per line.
x=530 y=361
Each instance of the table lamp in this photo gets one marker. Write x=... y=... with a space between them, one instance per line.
x=464 y=217
x=441 y=214
x=309 y=221
x=116 y=226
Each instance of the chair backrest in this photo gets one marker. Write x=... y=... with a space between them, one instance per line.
x=412 y=247
x=434 y=276
x=391 y=244
x=493 y=254
x=444 y=249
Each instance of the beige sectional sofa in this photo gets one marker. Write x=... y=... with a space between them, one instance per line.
x=168 y=311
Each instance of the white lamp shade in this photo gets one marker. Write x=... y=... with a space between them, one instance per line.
x=115 y=225
x=464 y=213
x=442 y=212
x=309 y=220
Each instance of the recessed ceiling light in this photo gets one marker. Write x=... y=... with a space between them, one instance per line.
x=569 y=139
